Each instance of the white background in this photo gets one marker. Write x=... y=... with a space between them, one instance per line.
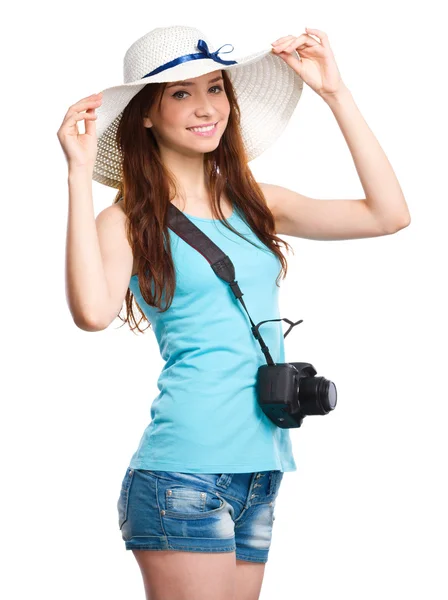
x=364 y=516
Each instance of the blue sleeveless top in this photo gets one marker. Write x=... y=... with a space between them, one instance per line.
x=206 y=418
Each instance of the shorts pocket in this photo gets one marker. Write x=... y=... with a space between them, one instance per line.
x=183 y=502
x=123 y=500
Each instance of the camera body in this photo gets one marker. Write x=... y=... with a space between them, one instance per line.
x=287 y=392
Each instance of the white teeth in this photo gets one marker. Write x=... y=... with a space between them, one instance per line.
x=202 y=128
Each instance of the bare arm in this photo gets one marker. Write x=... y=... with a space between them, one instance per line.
x=86 y=284
x=99 y=258
x=383 y=211
x=98 y=255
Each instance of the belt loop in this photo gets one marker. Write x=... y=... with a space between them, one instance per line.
x=224 y=480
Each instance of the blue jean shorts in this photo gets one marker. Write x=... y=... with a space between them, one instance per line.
x=199 y=512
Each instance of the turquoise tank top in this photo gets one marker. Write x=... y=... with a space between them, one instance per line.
x=206 y=418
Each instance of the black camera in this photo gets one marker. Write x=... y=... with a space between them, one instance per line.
x=288 y=392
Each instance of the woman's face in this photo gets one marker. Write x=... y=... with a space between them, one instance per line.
x=201 y=102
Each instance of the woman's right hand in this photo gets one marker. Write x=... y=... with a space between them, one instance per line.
x=80 y=149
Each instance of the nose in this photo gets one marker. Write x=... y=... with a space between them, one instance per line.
x=205 y=105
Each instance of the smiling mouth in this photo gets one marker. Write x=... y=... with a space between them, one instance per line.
x=209 y=128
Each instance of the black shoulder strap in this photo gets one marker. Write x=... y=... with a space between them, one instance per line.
x=220 y=263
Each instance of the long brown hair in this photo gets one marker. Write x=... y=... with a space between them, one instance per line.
x=148 y=186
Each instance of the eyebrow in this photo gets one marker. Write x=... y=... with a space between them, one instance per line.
x=186 y=83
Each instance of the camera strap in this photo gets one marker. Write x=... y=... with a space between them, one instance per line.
x=221 y=265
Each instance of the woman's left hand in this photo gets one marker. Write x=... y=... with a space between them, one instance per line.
x=317 y=66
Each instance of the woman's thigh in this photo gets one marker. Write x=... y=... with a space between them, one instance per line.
x=169 y=575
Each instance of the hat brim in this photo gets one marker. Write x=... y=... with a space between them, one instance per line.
x=266 y=88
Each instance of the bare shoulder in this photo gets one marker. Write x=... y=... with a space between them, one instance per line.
x=111 y=226
x=267 y=190
x=112 y=216
x=271 y=194
x=120 y=205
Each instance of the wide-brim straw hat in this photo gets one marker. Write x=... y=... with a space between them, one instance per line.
x=267 y=89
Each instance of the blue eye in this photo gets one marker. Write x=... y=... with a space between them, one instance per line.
x=184 y=92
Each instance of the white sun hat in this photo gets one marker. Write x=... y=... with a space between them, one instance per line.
x=267 y=89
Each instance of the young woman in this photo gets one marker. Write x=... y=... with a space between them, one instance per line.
x=196 y=504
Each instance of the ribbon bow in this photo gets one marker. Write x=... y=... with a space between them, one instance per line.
x=202 y=46
x=204 y=53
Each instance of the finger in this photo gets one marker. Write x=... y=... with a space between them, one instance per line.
x=294 y=42
x=308 y=41
x=75 y=116
x=320 y=34
x=293 y=60
x=298 y=43
x=86 y=102
x=282 y=40
x=91 y=97
x=82 y=105
x=89 y=124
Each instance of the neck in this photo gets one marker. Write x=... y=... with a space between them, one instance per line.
x=188 y=172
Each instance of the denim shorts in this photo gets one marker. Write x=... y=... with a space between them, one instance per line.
x=199 y=512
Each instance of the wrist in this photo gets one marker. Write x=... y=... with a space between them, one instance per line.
x=338 y=96
x=80 y=171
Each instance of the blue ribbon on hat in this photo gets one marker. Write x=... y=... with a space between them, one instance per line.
x=204 y=53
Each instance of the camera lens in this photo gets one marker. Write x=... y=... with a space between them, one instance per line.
x=332 y=395
x=317 y=395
